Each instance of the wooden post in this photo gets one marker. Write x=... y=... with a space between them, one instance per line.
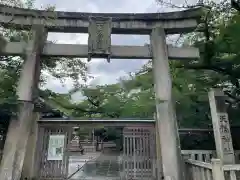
x=11 y=169
x=39 y=150
x=221 y=127
x=166 y=117
x=158 y=151
x=217 y=170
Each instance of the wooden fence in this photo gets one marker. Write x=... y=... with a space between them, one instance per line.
x=199 y=166
x=198 y=170
x=51 y=169
x=205 y=155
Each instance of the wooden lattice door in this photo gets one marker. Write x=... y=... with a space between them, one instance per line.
x=138 y=152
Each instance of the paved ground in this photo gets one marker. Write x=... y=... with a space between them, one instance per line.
x=102 y=166
x=76 y=162
x=108 y=165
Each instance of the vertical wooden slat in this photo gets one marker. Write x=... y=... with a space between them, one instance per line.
x=46 y=169
x=131 y=154
x=138 y=152
x=141 y=152
x=194 y=173
x=48 y=165
x=198 y=173
x=61 y=164
x=207 y=158
x=125 y=154
x=193 y=156
x=144 y=152
x=43 y=155
x=51 y=170
x=149 y=150
x=152 y=154
x=208 y=174
x=189 y=172
x=233 y=175
x=202 y=173
x=55 y=163
x=128 y=153
x=134 y=151
x=39 y=150
x=200 y=157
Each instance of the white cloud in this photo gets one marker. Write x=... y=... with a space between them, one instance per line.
x=68 y=38
x=107 y=78
x=104 y=73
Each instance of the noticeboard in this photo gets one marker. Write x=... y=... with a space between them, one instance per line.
x=56 y=147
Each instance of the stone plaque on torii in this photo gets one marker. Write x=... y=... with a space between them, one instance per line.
x=99 y=38
x=100 y=26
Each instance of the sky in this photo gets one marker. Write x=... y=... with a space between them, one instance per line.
x=103 y=72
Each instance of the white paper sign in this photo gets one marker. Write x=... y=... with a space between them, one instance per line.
x=55 y=147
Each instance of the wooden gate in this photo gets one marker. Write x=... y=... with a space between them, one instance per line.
x=136 y=159
x=50 y=168
x=139 y=152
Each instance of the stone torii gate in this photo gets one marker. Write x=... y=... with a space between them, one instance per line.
x=99 y=26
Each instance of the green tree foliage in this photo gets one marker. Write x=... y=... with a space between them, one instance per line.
x=218 y=42
x=10 y=67
x=219 y=45
x=218 y=66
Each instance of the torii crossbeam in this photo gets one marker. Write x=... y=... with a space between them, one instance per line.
x=99 y=26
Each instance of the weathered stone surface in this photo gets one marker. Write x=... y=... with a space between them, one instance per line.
x=99 y=38
x=11 y=168
x=185 y=14
x=29 y=166
x=168 y=136
x=221 y=127
x=127 y=23
x=30 y=73
x=117 y=52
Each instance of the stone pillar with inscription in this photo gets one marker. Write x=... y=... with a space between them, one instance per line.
x=221 y=127
x=99 y=38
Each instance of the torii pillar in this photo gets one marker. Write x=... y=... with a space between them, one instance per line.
x=166 y=117
x=19 y=131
